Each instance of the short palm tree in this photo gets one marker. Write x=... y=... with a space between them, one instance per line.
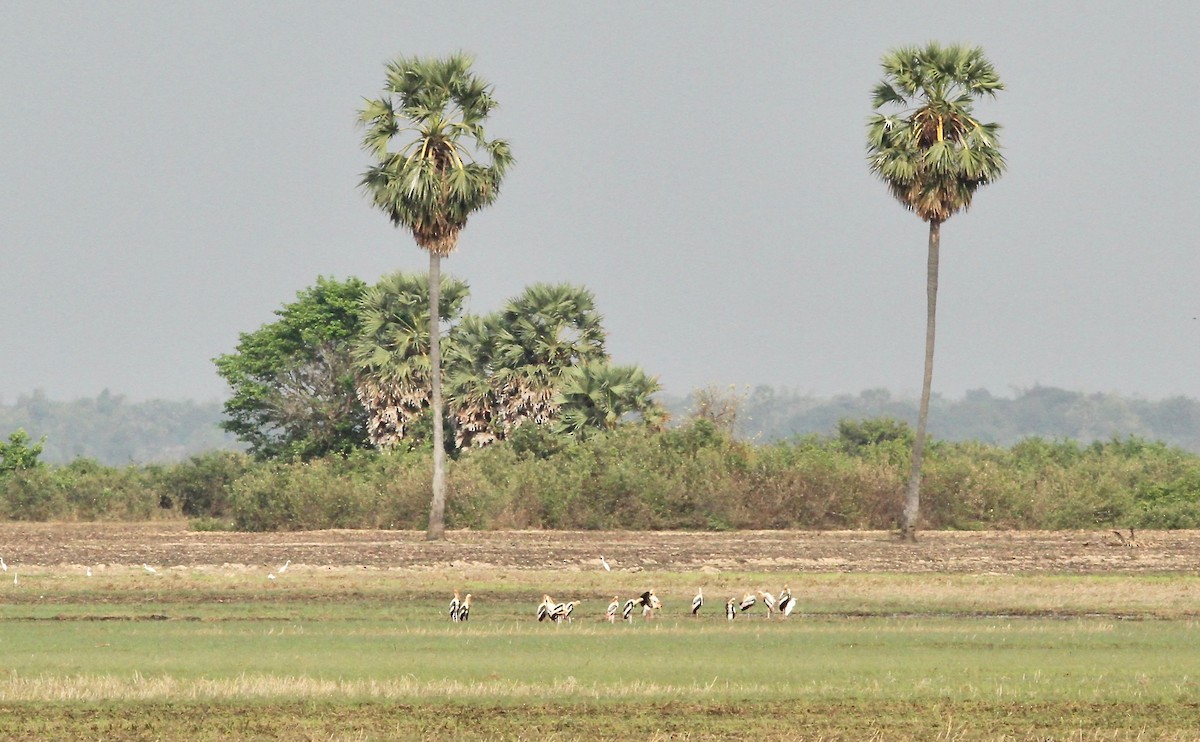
x=933 y=154
x=546 y=330
x=392 y=353
x=444 y=170
x=597 y=396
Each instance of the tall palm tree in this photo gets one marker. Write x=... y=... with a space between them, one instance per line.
x=444 y=170
x=933 y=155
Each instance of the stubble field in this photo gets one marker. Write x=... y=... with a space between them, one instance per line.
x=1013 y=635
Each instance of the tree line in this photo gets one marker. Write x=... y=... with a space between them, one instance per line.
x=693 y=476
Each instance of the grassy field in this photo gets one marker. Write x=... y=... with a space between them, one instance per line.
x=219 y=652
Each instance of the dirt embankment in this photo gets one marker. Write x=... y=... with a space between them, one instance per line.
x=171 y=544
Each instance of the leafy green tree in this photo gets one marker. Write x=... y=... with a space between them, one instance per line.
x=392 y=353
x=858 y=435
x=445 y=171
x=933 y=155
x=597 y=396
x=18 y=454
x=293 y=381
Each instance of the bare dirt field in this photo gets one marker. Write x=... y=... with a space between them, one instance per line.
x=172 y=544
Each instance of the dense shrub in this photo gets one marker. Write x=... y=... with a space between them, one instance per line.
x=692 y=477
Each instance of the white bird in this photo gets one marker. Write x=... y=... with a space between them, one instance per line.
x=748 y=601
x=697 y=601
x=454 y=604
x=464 y=610
x=613 y=607
x=15 y=580
x=283 y=569
x=3 y=566
x=88 y=572
x=271 y=576
x=604 y=564
x=731 y=609
x=149 y=569
x=545 y=608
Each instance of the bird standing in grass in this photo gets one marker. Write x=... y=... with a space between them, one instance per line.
x=627 y=611
x=454 y=603
x=698 y=601
x=545 y=608
x=149 y=569
x=611 y=612
x=731 y=609
x=283 y=569
x=464 y=609
x=567 y=610
x=786 y=602
x=3 y=566
x=748 y=601
x=604 y=564
x=769 y=601
x=650 y=604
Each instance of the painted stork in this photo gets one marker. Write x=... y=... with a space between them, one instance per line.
x=464 y=610
x=627 y=611
x=567 y=610
x=731 y=609
x=650 y=604
x=545 y=608
x=698 y=601
x=454 y=604
x=786 y=603
x=769 y=601
x=613 y=607
x=748 y=601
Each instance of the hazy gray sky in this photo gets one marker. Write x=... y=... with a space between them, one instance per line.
x=172 y=173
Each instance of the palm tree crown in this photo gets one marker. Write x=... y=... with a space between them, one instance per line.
x=436 y=180
x=934 y=153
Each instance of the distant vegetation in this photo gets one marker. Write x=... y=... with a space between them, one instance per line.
x=768 y=414
x=114 y=431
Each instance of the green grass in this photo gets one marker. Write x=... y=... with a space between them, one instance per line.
x=353 y=654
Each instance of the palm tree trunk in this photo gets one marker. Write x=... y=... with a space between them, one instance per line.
x=437 y=508
x=912 y=498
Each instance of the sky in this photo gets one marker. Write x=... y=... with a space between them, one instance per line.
x=173 y=173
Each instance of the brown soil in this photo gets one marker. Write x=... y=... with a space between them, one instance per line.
x=171 y=544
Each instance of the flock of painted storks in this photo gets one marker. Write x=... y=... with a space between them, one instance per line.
x=551 y=610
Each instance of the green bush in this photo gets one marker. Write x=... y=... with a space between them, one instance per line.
x=692 y=477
